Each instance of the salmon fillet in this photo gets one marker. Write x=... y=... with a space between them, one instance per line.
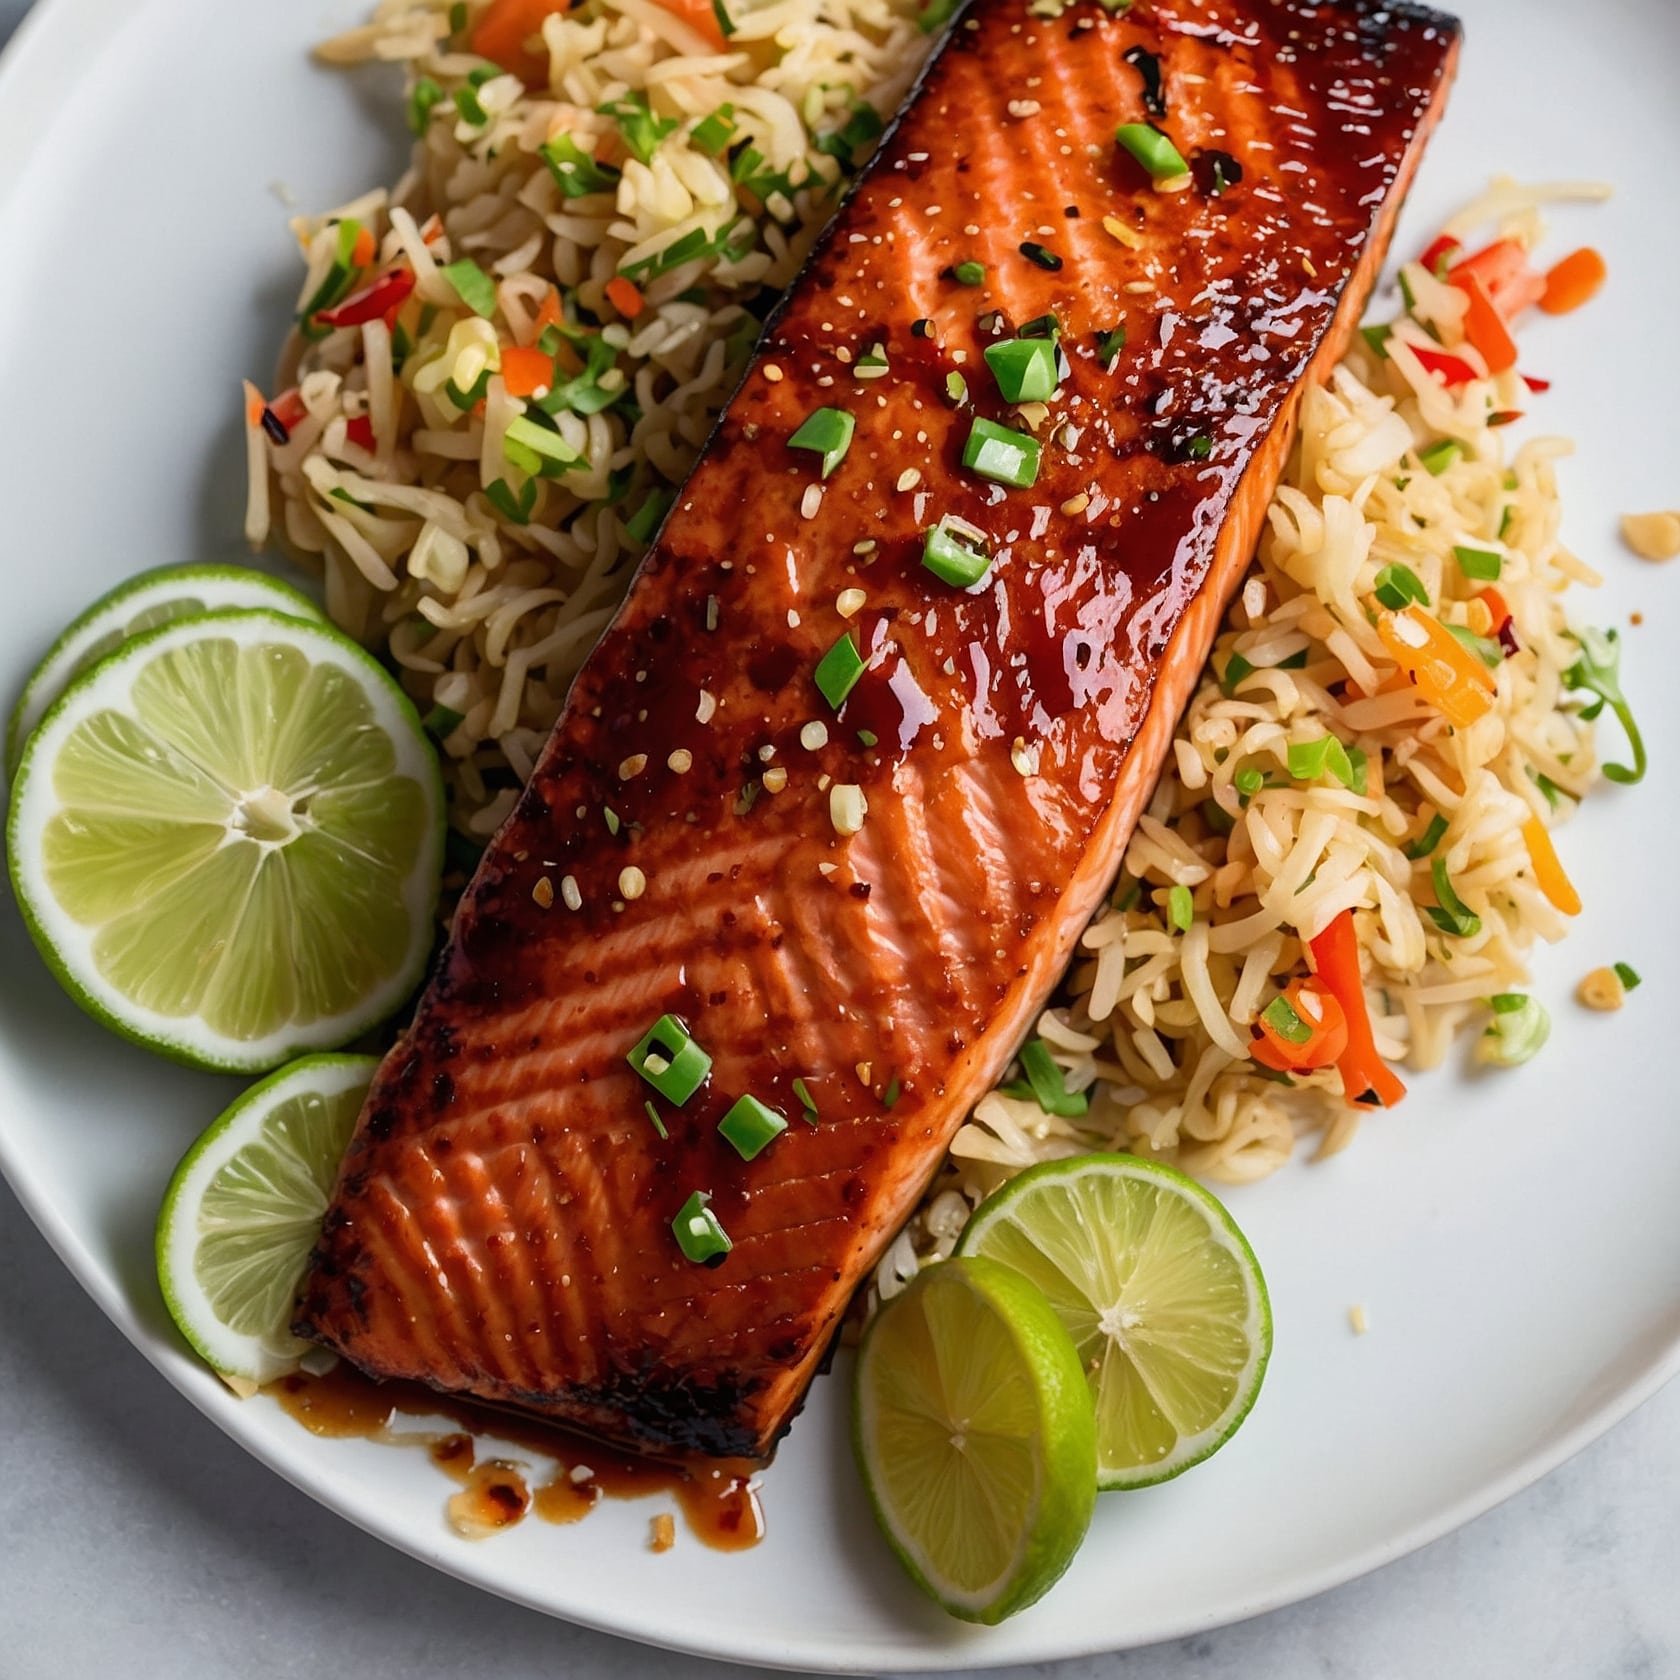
x=502 y=1224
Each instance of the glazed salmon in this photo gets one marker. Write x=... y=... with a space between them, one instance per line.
x=857 y=910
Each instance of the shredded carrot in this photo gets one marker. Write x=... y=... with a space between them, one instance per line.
x=624 y=297
x=1451 y=678
x=525 y=371
x=509 y=33
x=431 y=230
x=1485 y=327
x=254 y=405
x=1319 y=1011
x=700 y=16
x=1573 y=281
x=548 y=311
x=361 y=253
x=1548 y=869
x=1335 y=956
x=1503 y=268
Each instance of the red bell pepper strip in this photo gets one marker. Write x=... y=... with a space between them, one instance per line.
x=1536 y=385
x=359 y=430
x=1439 y=256
x=1335 y=955
x=1452 y=370
x=386 y=295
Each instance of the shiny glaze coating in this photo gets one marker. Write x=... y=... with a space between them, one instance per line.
x=502 y=1222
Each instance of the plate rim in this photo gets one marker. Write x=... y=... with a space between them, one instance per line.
x=39 y=67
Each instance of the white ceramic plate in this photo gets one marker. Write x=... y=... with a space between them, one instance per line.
x=1512 y=1237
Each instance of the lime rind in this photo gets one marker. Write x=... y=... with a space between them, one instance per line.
x=987 y=1527
x=243 y=1209
x=1196 y=1355
x=140 y=603
x=78 y=953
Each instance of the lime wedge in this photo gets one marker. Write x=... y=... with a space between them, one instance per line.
x=974 y=1433
x=142 y=603
x=226 y=840
x=244 y=1209
x=1160 y=1292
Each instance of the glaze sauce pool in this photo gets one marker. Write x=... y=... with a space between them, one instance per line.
x=718 y=1500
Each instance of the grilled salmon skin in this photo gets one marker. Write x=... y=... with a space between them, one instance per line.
x=857 y=911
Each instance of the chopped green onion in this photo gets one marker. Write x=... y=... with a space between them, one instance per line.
x=458 y=17
x=826 y=432
x=1507 y=518
x=807 y=1102
x=653 y=1115
x=469 y=109
x=1024 y=368
x=1110 y=344
x=641 y=129
x=936 y=14
x=699 y=1233
x=868 y=737
x=1407 y=295
x=1158 y=155
x=515 y=507
x=1452 y=915
x=612 y=819
x=997 y=453
x=550 y=448
x=584 y=393
x=1308 y=760
x=955 y=552
x=474 y=393
x=1357 y=765
x=576 y=171
x=1217 y=817
x=725 y=23
x=1236 y=668
x=1377 y=338
x=1398 y=586
x=1280 y=1015
x=712 y=134
x=1199 y=447
x=441 y=721
x=1520 y=1026
x=472 y=285
x=1489 y=652
x=750 y=1127
x=921 y=327
x=1598 y=671
x=872 y=363
x=641 y=525
x=1181 y=909
x=422 y=97
x=1628 y=976
x=969 y=274
x=1428 y=840
x=1041 y=326
x=889 y=1097
x=484 y=73
x=670 y=1060
x=1046 y=1084
x=956 y=388
x=1040 y=254
x=1481 y=564
x=1248 y=781
x=861 y=128
x=1440 y=455
x=838 y=671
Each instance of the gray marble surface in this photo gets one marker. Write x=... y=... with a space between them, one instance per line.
x=136 y=1541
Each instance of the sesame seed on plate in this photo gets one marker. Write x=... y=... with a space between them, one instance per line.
x=814 y=736
x=681 y=761
x=632 y=767
x=631 y=881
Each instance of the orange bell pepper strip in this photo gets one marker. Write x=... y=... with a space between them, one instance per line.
x=1503 y=268
x=1484 y=326
x=1310 y=1031
x=624 y=297
x=700 y=16
x=509 y=33
x=1335 y=957
x=1449 y=676
x=1548 y=869
x=525 y=371
x=1573 y=281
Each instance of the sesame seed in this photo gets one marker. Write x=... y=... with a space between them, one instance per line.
x=1128 y=237
x=542 y=894
x=570 y=894
x=767 y=752
x=775 y=779
x=631 y=881
x=1076 y=504
x=826 y=868
x=1024 y=107
x=772 y=373
x=972 y=229
x=810 y=501
x=707 y=709
x=793 y=618
x=682 y=761
x=1138 y=287
x=814 y=736
x=1024 y=757
x=633 y=766
x=841 y=353
x=909 y=478
x=849 y=602
x=867 y=546
x=847 y=807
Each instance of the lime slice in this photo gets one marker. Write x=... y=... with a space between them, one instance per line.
x=974 y=1432
x=142 y=603
x=244 y=1209
x=1160 y=1292
x=226 y=839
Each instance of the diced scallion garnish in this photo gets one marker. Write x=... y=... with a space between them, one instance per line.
x=699 y=1232
x=826 y=432
x=1024 y=368
x=641 y=129
x=1398 y=586
x=713 y=133
x=653 y=1116
x=422 y=98
x=641 y=525
x=1308 y=760
x=1045 y=1083
x=1452 y=915
x=469 y=108
x=1281 y=1017
x=1480 y=564
x=1236 y=668
x=1040 y=254
x=1041 y=326
x=807 y=1103
x=1438 y=456
x=1628 y=975
x=1519 y=1028
x=1110 y=344
x=575 y=171
x=936 y=14
x=1000 y=454
x=889 y=1097
x=838 y=671
x=1428 y=840
x=1377 y=338
x=969 y=274
x=1248 y=781
x=1181 y=908
x=441 y=721
x=670 y=1060
x=1158 y=155
x=750 y=1127
x=472 y=285
x=533 y=448
x=956 y=388
x=1489 y=652
x=955 y=552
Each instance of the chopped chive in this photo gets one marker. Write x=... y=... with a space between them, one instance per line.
x=889 y=1097
x=725 y=23
x=838 y=671
x=921 y=327
x=1377 y=338
x=872 y=363
x=422 y=98
x=750 y=1127
x=1236 y=668
x=1398 y=586
x=1297 y=661
x=1041 y=326
x=969 y=274
x=472 y=285
x=1481 y=564
x=955 y=552
x=1148 y=66
x=1280 y=1015
x=1628 y=976
x=713 y=133
x=550 y=451
x=956 y=388
x=826 y=432
x=441 y=721
x=641 y=525
x=1428 y=840
x=1489 y=652
x=1045 y=1083
x=1181 y=909
x=1110 y=344
x=670 y=1060
x=641 y=129
x=576 y=171
x=868 y=737
x=1440 y=455
x=807 y=1102
x=1040 y=254
x=653 y=1115
x=997 y=453
x=1248 y=781
x=1308 y=760
x=1358 y=763
x=516 y=508
x=1452 y=915
x=469 y=109
x=699 y=1233
x=1158 y=155
x=1024 y=368
x=475 y=393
